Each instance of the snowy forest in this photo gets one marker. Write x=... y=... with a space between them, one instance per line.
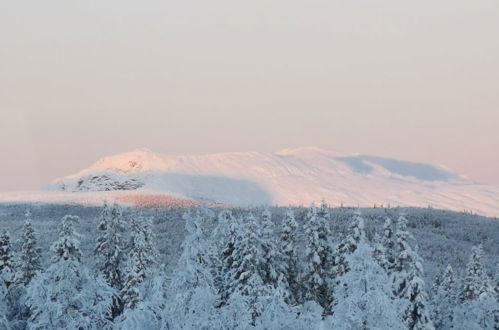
x=113 y=267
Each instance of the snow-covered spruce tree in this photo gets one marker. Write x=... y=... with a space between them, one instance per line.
x=4 y=322
x=288 y=246
x=223 y=280
x=218 y=241
x=476 y=282
x=317 y=267
x=408 y=281
x=142 y=257
x=363 y=296
x=277 y=314
x=444 y=300
x=6 y=259
x=347 y=246
x=28 y=263
x=109 y=250
x=269 y=267
x=192 y=297
x=235 y=314
x=244 y=275
x=385 y=249
x=65 y=296
x=479 y=306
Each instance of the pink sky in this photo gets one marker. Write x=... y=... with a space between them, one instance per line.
x=416 y=81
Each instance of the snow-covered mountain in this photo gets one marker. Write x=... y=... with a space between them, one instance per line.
x=288 y=177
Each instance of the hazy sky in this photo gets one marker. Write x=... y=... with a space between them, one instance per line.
x=416 y=80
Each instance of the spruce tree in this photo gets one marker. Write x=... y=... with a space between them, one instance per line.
x=6 y=259
x=478 y=306
x=445 y=300
x=109 y=250
x=142 y=257
x=269 y=268
x=219 y=239
x=65 y=296
x=408 y=281
x=223 y=280
x=289 y=258
x=28 y=263
x=363 y=296
x=244 y=275
x=317 y=268
x=142 y=244
x=4 y=322
x=192 y=295
x=348 y=245
x=388 y=246
x=476 y=282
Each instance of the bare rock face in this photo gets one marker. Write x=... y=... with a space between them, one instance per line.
x=107 y=182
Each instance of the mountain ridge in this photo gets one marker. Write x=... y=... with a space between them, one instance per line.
x=294 y=176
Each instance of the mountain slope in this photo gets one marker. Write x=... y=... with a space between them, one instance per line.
x=289 y=177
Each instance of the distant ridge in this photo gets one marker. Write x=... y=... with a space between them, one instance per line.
x=297 y=176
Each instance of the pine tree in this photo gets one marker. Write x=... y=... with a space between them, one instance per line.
x=28 y=263
x=445 y=300
x=317 y=259
x=289 y=258
x=65 y=296
x=408 y=281
x=111 y=259
x=6 y=259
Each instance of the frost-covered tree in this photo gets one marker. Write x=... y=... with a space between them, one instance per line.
x=235 y=314
x=223 y=280
x=288 y=246
x=269 y=267
x=192 y=296
x=408 y=281
x=479 y=305
x=6 y=259
x=445 y=300
x=65 y=296
x=476 y=281
x=109 y=250
x=317 y=263
x=219 y=240
x=356 y=234
x=384 y=251
x=4 y=322
x=363 y=296
x=244 y=275
x=277 y=314
x=28 y=263
x=142 y=257
x=142 y=244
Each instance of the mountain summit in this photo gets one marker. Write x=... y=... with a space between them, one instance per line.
x=297 y=176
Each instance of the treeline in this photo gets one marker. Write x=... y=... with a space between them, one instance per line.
x=244 y=273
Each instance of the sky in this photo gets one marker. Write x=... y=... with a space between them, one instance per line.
x=413 y=80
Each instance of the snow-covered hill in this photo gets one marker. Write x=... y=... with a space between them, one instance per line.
x=288 y=177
